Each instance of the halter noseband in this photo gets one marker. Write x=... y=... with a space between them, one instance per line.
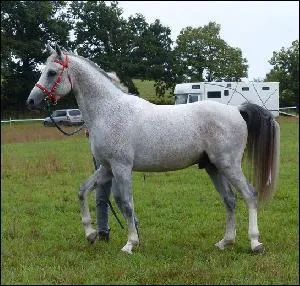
x=51 y=92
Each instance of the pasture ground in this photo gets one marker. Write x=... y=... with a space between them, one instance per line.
x=181 y=217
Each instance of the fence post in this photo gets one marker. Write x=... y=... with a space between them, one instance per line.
x=9 y=121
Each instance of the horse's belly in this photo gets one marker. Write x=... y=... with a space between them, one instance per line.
x=158 y=162
x=168 y=148
x=161 y=167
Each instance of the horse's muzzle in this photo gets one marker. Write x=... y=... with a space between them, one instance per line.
x=32 y=104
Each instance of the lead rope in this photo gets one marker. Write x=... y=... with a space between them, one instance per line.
x=114 y=213
x=62 y=131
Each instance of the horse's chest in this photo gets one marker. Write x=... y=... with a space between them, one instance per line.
x=109 y=144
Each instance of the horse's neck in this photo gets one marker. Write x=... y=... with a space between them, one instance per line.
x=96 y=95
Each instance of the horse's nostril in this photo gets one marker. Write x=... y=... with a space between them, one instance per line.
x=31 y=102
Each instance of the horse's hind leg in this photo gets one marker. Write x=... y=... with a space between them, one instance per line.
x=236 y=177
x=100 y=176
x=224 y=188
x=123 y=197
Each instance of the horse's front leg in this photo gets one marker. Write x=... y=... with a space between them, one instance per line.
x=100 y=176
x=123 y=197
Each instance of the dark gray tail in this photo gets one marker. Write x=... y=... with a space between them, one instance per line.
x=263 y=148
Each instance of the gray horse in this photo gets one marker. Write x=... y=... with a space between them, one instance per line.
x=128 y=134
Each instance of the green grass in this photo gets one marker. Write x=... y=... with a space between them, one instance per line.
x=180 y=214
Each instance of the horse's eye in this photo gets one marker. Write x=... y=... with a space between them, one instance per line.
x=51 y=73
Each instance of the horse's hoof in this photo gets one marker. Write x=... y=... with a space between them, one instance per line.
x=92 y=237
x=258 y=249
x=127 y=249
x=222 y=244
x=104 y=235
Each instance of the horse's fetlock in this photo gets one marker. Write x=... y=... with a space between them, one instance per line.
x=86 y=220
x=254 y=235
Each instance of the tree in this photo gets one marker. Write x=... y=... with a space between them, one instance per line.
x=286 y=71
x=201 y=50
x=132 y=48
x=101 y=36
x=25 y=28
x=151 y=56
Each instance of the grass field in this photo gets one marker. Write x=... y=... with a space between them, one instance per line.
x=180 y=214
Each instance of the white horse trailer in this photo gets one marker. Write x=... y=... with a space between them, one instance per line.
x=265 y=94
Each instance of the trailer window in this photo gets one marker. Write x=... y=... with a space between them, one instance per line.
x=245 y=88
x=265 y=88
x=214 y=94
x=193 y=98
x=181 y=99
x=226 y=92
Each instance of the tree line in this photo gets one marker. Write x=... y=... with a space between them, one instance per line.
x=131 y=47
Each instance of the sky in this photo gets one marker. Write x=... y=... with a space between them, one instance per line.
x=256 y=27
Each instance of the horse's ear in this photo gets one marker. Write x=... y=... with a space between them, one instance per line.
x=50 y=50
x=65 y=50
x=58 y=51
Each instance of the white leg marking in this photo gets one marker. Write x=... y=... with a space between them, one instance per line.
x=253 y=231
x=90 y=232
x=230 y=233
x=133 y=240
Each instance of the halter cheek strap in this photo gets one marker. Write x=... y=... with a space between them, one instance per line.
x=51 y=92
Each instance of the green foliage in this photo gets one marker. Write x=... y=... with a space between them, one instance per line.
x=286 y=71
x=101 y=35
x=133 y=48
x=150 y=53
x=202 y=50
x=25 y=28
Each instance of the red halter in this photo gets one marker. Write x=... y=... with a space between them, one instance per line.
x=51 y=93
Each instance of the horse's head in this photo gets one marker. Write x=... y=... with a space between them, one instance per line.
x=54 y=82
